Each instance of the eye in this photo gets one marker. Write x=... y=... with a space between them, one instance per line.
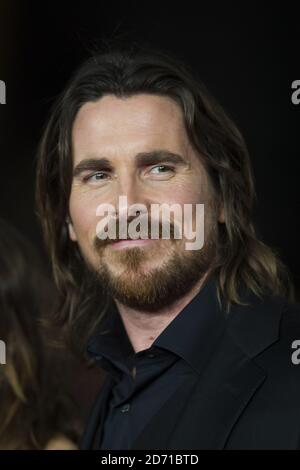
x=162 y=169
x=95 y=177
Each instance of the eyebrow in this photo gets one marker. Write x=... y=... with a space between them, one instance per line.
x=158 y=156
x=142 y=159
x=91 y=164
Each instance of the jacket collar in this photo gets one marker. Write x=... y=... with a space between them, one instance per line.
x=202 y=413
x=256 y=326
x=190 y=335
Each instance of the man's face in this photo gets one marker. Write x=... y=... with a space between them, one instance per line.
x=138 y=147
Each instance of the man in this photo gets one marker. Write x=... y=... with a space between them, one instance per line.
x=198 y=343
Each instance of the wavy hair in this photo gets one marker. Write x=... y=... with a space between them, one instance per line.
x=32 y=410
x=242 y=257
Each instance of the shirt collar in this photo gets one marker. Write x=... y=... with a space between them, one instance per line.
x=189 y=335
x=193 y=331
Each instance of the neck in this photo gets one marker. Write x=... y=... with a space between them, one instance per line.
x=144 y=327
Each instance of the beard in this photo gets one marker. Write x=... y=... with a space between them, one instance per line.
x=135 y=286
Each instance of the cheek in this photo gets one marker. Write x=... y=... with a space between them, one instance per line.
x=83 y=216
x=184 y=192
x=194 y=191
x=188 y=188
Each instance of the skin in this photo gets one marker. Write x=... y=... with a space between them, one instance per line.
x=119 y=129
x=60 y=442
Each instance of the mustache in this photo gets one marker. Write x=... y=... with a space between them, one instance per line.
x=99 y=242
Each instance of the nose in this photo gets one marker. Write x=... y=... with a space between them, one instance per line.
x=130 y=195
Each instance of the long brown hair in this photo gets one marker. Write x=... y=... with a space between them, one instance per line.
x=33 y=404
x=242 y=257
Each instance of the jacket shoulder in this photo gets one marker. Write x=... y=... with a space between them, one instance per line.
x=290 y=320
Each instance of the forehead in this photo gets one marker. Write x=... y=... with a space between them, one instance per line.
x=133 y=124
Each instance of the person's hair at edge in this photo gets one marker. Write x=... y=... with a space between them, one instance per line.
x=243 y=259
x=32 y=411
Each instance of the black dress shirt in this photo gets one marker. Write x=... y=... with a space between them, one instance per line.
x=144 y=381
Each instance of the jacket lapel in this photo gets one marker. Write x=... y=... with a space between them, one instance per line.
x=202 y=413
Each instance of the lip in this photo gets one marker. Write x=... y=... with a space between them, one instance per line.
x=131 y=243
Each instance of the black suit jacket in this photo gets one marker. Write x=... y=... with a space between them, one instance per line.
x=247 y=396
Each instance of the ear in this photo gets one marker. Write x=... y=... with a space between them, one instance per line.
x=71 y=230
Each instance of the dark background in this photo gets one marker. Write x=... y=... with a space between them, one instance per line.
x=247 y=53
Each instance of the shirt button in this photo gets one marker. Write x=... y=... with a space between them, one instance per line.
x=125 y=408
x=150 y=355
